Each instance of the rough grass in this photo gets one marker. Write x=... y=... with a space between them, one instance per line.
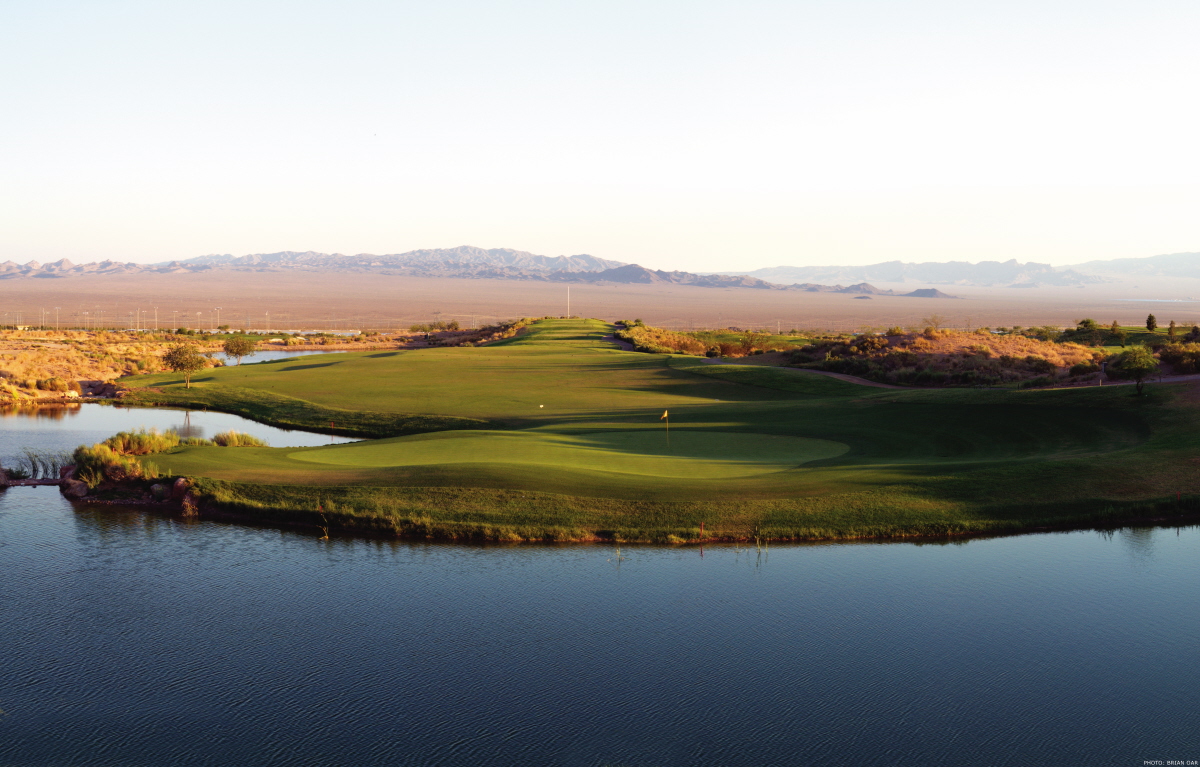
x=589 y=462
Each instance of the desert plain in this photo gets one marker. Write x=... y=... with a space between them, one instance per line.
x=366 y=300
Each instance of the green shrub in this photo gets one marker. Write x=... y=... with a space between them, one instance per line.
x=1039 y=364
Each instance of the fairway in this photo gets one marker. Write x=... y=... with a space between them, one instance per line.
x=691 y=454
x=556 y=434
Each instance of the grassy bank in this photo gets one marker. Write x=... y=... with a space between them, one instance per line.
x=556 y=435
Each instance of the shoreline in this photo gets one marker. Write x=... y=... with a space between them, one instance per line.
x=174 y=510
x=206 y=504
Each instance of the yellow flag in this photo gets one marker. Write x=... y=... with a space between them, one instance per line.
x=664 y=415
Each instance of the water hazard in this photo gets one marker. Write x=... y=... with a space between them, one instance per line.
x=130 y=638
x=64 y=428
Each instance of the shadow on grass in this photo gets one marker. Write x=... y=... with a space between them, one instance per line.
x=315 y=365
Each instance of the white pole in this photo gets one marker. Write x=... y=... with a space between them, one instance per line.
x=568 y=301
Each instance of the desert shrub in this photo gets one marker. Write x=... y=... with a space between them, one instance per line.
x=1183 y=358
x=895 y=330
x=660 y=341
x=53 y=384
x=1039 y=364
x=238 y=439
x=1083 y=369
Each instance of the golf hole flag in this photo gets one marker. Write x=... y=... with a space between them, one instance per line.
x=668 y=425
x=664 y=416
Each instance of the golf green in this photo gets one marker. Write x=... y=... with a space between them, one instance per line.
x=689 y=454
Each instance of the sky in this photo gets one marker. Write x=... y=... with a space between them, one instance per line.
x=680 y=135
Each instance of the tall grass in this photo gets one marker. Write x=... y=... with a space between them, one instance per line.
x=40 y=464
x=238 y=439
x=142 y=442
x=97 y=463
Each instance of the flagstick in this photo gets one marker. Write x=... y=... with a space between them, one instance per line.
x=668 y=422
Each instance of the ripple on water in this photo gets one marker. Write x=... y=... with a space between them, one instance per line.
x=136 y=639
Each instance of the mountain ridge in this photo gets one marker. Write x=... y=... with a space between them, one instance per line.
x=1009 y=273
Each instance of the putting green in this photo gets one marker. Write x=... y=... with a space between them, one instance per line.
x=692 y=454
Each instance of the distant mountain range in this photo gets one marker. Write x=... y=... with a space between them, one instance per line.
x=508 y=264
x=1167 y=265
x=462 y=262
x=1009 y=273
x=991 y=273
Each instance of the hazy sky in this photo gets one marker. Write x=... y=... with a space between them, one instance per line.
x=689 y=135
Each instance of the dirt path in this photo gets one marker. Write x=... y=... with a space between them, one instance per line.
x=625 y=345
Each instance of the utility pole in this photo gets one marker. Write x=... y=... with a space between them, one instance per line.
x=568 y=301
x=56 y=318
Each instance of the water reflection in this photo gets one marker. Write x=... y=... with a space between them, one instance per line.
x=58 y=429
x=53 y=412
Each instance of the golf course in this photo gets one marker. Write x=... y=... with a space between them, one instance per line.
x=557 y=434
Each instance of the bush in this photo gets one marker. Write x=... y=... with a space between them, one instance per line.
x=53 y=384
x=1083 y=369
x=141 y=442
x=238 y=439
x=1039 y=364
x=1183 y=358
x=660 y=341
x=96 y=463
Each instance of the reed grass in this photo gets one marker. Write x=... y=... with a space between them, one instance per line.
x=238 y=439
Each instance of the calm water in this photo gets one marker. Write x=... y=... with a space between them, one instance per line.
x=270 y=355
x=65 y=428
x=132 y=639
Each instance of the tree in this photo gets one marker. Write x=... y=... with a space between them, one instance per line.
x=186 y=359
x=1137 y=363
x=1151 y=323
x=934 y=321
x=240 y=346
x=1171 y=329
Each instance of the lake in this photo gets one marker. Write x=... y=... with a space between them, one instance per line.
x=131 y=638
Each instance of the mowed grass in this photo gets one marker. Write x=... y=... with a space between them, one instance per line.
x=566 y=440
x=691 y=454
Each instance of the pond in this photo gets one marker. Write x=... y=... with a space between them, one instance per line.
x=131 y=638
x=58 y=429
x=270 y=355
x=136 y=639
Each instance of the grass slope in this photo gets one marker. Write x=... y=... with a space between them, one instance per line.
x=567 y=444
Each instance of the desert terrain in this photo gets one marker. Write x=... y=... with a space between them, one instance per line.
x=336 y=301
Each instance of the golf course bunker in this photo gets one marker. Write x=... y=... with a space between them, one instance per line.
x=691 y=454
